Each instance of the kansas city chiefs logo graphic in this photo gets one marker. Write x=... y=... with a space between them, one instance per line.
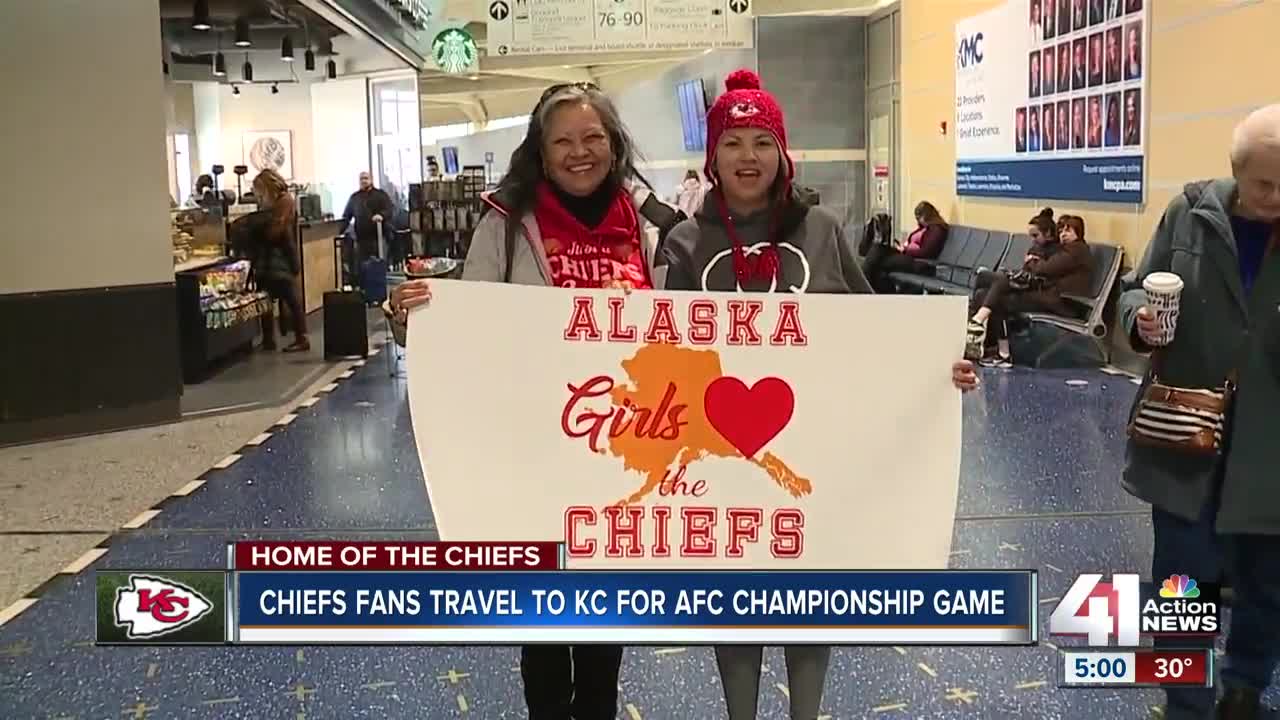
x=152 y=606
x=744 y=110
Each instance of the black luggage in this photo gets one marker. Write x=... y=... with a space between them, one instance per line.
x=346 y=323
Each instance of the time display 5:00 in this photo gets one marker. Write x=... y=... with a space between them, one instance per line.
x=1101 y=667
x=1145 y=667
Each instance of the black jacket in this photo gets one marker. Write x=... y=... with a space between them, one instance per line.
x=272 y=257
x=362 y=206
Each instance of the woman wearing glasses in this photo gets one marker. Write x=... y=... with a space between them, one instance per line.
x=572 y=211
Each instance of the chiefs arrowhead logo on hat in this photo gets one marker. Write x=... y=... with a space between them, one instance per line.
x=744 y=110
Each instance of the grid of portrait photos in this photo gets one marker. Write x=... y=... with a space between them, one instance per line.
x=1084 y=77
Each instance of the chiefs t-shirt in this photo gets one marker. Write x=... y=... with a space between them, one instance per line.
x=592 y=257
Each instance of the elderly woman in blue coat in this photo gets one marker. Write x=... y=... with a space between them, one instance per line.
x=1219 y=515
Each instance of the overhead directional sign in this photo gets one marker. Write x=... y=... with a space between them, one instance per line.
x=543 y=27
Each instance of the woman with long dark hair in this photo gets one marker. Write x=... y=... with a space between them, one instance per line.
x=572 y=211
x=1058 y=263
x=924 y=243
x=268 y=236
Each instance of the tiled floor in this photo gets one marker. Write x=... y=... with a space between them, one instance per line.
x=263 y=378
x=1038 y=489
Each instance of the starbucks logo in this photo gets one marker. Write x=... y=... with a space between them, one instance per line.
x=454 y=51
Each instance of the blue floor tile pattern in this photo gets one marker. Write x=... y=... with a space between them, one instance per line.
x=1038 y=490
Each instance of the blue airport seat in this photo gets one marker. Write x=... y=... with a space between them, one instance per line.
x=1055 y=341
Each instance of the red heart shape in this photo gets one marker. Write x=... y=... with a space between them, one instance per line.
x=749 y=417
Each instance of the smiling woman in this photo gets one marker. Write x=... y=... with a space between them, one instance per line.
x=756 y=233
x=572 y=211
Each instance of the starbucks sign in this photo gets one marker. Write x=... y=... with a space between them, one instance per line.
x=455 y=51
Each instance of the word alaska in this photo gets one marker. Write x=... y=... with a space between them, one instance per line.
x=701 y=325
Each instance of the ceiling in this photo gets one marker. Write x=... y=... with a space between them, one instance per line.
x=507 y=86
x=504 y=86
x=190 y=52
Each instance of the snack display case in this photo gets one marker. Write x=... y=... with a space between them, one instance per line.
x=218 y=314
x=199 y=237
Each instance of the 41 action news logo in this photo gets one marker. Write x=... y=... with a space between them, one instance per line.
x=1120 y=612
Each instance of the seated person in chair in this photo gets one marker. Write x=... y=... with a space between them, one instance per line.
x=924 y=243
x=1058 y=263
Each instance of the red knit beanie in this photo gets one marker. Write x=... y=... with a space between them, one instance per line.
x=744 y=104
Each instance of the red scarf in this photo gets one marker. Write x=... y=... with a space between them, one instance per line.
x=592 y=257
x=763 y=265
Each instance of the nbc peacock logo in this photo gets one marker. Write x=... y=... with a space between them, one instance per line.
x=1179 y=586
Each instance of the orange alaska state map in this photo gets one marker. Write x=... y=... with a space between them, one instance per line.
x=693 y=372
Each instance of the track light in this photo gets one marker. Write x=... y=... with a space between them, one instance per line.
x=235 y=91
x=200 y=16
x=219 y=65
x=246 y=71
x=332 y=69
x=242 y=32
x=286 y=49
x=310 y=59
x=275 y=89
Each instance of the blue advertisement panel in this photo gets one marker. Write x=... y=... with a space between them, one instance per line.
x=1051 y=100
x=1113 y=179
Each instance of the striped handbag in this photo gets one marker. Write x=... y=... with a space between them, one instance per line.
x=1191 y=421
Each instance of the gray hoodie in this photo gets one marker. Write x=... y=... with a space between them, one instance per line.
x=814 y=255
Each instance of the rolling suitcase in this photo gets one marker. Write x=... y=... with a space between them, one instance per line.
x=346 y=323
x=373 y=273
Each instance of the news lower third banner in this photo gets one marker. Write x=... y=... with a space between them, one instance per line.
x=504 y=608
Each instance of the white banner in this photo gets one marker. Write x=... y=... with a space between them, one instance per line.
x=721 y=430
x=541 y=27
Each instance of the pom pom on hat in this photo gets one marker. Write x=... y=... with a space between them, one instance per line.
x=743 y=79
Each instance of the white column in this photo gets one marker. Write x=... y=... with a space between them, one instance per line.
x=82 y=139
x=340 y=127
x=208 y=126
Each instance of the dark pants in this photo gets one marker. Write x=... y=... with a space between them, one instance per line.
x=740 y=675
x=882 y=260
x=289 y=295
x=563 y=682
x=1253 y=636
x=993 y=291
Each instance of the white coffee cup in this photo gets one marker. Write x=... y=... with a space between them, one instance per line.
x=1164 y=296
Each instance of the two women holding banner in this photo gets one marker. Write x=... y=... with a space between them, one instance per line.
x=574 y=179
